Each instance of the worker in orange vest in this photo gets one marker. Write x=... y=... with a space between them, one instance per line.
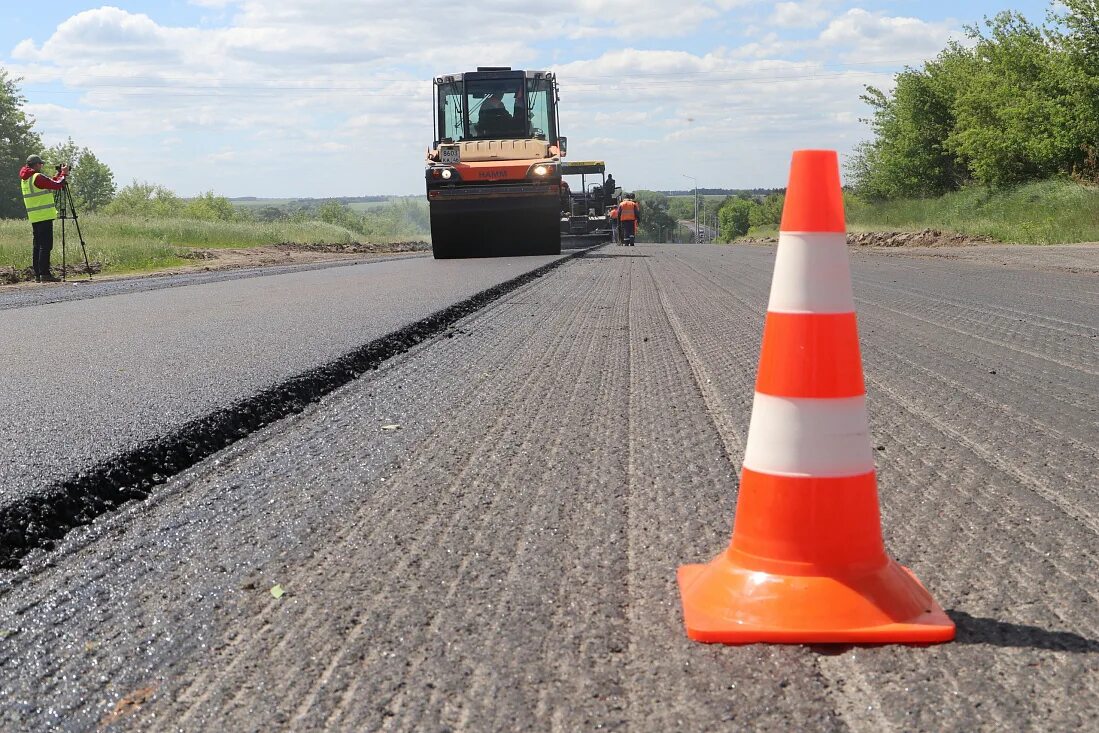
x=629 y=216
x=612 y=215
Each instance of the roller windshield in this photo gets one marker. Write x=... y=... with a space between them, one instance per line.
x=495 y=109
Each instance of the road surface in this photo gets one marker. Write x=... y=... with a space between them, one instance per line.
x=482 y=534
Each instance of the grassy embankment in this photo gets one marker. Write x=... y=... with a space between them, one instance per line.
x=132 y=244
x=1047 y=212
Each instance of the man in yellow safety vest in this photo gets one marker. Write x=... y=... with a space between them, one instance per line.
x=38 y=196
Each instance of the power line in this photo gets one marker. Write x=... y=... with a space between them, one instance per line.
x=225 y=92
x=218 y=88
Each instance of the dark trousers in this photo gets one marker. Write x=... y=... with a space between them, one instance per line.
x=43 y=245
x=628 y=230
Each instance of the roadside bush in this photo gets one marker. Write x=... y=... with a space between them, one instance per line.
x=767 y=214
x=144 y=199
x=734 y=218
x=209 y=207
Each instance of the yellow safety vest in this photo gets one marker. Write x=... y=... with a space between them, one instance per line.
x=39 y=201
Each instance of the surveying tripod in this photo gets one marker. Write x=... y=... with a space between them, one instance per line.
x=66 y=210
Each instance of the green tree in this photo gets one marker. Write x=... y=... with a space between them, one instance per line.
x=17 y=141
x=92 y=181
x=149 y=200
x=1081 y=19
x=210 y=207
x=657 y=225
x=333 y=212
x=271 y=213
x=734 y=218
x=1020 y=103
x=1017 y=116
x=909 y=155
x=767 y=214
x=681 y=207
x=1076 y=31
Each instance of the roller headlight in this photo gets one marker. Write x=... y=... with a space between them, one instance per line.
x=447 y=174
x=540 y=170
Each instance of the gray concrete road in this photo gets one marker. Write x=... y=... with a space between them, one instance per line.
x=482 y=535
x=87 y=378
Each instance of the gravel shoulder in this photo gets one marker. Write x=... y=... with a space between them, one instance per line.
x=483 y=534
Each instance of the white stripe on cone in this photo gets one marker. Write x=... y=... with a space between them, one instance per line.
x=809 y=437
x=812 y=274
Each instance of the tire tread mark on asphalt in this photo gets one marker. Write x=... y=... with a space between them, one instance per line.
x=471 y=475
x=731 y=438
x=484 y=679
x=520 y=396
x=1022 y=420
x=685 y=492
x=1056 y=395
x=853 y=702
x=39 y=519
x=1032 y=482
x=968 y=334
x=566 y=343
x=1048 y=323
x=428 y=532
x=466 y=475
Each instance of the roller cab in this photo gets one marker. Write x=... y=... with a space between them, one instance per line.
x=493 y=172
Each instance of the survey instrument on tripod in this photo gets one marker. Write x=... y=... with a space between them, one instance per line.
x=66 y=209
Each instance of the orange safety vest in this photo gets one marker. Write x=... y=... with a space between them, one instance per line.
x=614 y=212
x=627 y=210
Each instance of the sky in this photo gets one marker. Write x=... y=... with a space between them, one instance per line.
x=319 y=98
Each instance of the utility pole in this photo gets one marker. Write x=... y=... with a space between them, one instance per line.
x=698 y=233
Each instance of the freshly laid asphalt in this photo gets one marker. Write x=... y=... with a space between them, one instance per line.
x=111 y=365
x=483 y=534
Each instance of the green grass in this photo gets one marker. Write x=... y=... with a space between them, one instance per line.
x=358 y=207
x=132 y=244
x=1048 y=212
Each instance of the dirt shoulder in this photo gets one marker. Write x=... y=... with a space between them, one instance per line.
x=922 y=238
x=292 y=253
x=215 y=259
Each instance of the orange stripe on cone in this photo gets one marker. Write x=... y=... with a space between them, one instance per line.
x=795 y=525
x=814 y=199
x=806 y=563
x=810 y=355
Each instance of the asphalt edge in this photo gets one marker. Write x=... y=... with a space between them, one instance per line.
x=38 y=520
x=151 y=281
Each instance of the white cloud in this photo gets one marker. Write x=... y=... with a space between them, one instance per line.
x=279 y=90
x=876 y=36
x=804 y=14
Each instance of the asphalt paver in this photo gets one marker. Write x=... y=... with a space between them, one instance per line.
x=483 y=534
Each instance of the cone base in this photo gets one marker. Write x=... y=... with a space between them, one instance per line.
x=726 y=603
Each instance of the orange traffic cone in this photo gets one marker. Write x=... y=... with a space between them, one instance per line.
x=806 y=563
